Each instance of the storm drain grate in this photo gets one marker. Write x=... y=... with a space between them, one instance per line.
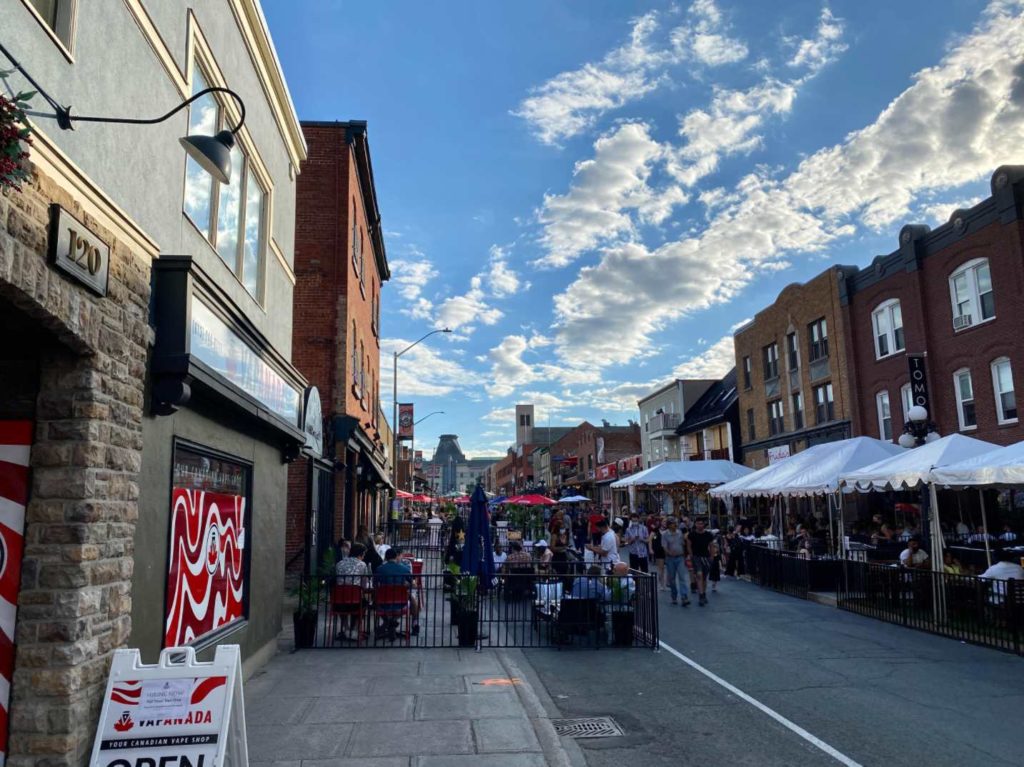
x=590 y=727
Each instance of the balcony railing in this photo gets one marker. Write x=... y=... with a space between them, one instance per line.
x=664 y=422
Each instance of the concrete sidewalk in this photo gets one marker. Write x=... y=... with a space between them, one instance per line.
x=400 y=708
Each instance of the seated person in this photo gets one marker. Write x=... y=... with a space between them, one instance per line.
x=1006 y=567
x=981 y=535
x=914 y=556
x=517 y=559
x=499 y=557
x=951 y=565
x=544 y=555
x=352 y=570
x=378 y=542
x=590 y=586
x=395 y=573
x=622 y=588
x=1008 y=536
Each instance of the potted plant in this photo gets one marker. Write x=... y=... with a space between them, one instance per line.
x=465 y=611
x=15 y=139
x=305 y=616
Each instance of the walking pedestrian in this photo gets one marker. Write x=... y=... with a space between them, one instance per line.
x=658 y=550
x=675 y=549
x=715 y=574
x=637 y=543
x=698 y=552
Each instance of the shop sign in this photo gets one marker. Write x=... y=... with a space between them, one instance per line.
x=217 y=345
x=172 y=713
x=777 y=453
x=313 y=422
x=405 y=420
x=78 y=252
x=206 y=569
x=918 y=381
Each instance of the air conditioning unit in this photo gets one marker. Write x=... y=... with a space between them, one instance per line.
x=961 y=322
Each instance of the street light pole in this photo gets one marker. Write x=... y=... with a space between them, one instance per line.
x=394 y=403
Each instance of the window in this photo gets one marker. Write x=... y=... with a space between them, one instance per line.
x=1002 y=384
x=770 y=357
x=355 y=357
x=964 y=399
x=824 y=405
x=817 y=334
x=884 y=415
x=970 y=289
x=209 y=493
x=798 y=411
x=230 y=215
x=792 y=353
x=746 y=372
x=751 y=432
x=887 y=321
x=776 y=416
x=58 y=16
x=907 y=398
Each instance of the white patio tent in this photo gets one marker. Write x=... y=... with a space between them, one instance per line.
x=915 y=467
x=1002 y=467
x=713 y=472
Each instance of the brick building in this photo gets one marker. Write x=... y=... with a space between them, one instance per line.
x=340 y=266
x=956 y=296
x=576 y=457
x=791 y=371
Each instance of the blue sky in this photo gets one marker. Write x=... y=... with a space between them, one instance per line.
x=593 y=194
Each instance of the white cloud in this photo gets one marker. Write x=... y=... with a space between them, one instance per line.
x=824 y=47
x=605 y=190
x=423 y=371
x=411 y=275
x=955 y=124
x=938 y=213
x=705 y=39
x=508 y=370
x=714 y=362
x=571 y=102
x=501 y=278
x=461 y=312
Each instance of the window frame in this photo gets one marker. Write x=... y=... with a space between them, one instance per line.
x=906 y=400
x=960 y=402
x=747 y=370
x=64 y=27
x=776 y=420
x=751 y=425
x=797 y=405
x=792 y=352
x=970 y=270
x=828 y=403
x=770 y=361
x=817 y=349
x=882 y=399
x=248 y=172
x=1001 y=418
x=888 y=309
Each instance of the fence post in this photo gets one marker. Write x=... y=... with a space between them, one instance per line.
x=1011 y=613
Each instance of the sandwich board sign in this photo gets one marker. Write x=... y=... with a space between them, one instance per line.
x=178 y=712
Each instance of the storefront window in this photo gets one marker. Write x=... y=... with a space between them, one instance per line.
x=208 y=560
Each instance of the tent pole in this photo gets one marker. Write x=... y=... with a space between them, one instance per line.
x=938 y=581
x=984 y=526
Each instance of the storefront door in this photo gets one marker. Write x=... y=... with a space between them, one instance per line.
x=320 y=524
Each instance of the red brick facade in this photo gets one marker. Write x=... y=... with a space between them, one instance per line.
x=340 y=266
x=918 y=276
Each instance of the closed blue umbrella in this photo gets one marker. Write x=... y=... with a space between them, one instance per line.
x=477 y=554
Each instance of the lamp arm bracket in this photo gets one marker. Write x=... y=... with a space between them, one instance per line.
x=66 y=120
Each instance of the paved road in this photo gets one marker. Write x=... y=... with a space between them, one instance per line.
x=878 y=694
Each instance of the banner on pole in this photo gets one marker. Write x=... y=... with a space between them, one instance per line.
x=405 y=419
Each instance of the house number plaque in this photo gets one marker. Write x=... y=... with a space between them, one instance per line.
x=78 y=252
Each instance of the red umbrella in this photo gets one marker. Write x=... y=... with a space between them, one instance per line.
x=404 y=495
x=462 y=499
x=531 y=500
x=422 y=499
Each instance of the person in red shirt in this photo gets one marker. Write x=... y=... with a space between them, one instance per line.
x=593 y=519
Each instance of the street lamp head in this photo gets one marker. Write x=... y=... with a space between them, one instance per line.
x=446 y=330
x=212 y=153
x=932 y=436
x=907 y=441
x=917 y=414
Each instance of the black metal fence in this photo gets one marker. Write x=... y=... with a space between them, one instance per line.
x=971 y=609
x=521 y=608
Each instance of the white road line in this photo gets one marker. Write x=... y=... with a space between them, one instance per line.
x=814 y=741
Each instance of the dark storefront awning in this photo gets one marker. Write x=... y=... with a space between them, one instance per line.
x=349 y=433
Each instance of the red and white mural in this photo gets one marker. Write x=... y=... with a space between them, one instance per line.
x=206 y=578
x=206 y=567
x=15 y=444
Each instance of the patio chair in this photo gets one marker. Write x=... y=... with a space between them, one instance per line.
x=391 y=603
x=347 y=601
x=578 y=617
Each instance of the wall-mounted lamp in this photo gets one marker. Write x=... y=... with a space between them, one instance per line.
x=213 y=153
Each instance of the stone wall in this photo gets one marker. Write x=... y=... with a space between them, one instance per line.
x=75 y=599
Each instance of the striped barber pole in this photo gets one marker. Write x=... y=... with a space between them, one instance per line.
x=15 y=443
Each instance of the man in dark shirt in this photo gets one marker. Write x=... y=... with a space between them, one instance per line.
x=698 y=551
x=395 y=573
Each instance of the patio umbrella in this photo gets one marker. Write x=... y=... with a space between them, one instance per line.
x=531 y=500
x=477 y=554
x=574 y=499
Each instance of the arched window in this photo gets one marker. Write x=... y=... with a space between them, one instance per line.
x=887 y=323
x=970 y=290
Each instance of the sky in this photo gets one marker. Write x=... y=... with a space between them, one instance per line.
x=594 y=194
